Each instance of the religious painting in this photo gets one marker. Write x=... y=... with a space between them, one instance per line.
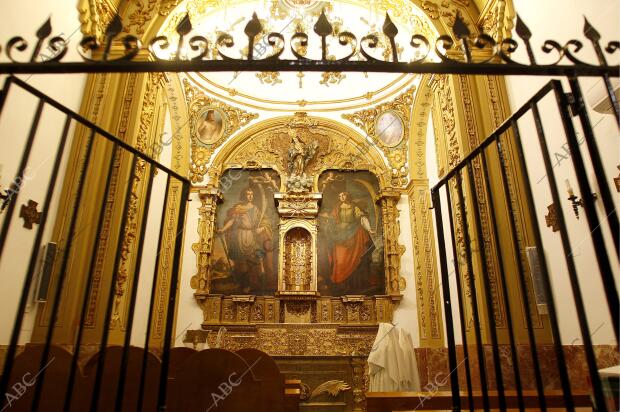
x=245 y=249
x=209 y=125
x=350 y=236
x=389 y=128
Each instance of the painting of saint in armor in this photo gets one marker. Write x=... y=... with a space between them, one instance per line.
x=245 y=254
x=350 y=254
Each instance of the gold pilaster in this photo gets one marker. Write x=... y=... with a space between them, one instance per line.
x=427 y=282
x=466 y=109
x=388 y=199
x=131 y=107
x=209 y=198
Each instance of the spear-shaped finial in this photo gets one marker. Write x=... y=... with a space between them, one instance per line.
x=390 y=30
x=183 y=28
x=462 y=32
x=460 y=28
x=323 y=28
x=524 y=32
x=114 y=29
x=594 y=36
x=252 y=29
x=44 y=31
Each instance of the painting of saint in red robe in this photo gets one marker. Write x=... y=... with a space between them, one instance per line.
x=350 y=235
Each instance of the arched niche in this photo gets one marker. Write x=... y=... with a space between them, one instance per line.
x=298 y=258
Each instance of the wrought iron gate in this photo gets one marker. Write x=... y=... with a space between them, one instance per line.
x=457 y=187
x=102 y=140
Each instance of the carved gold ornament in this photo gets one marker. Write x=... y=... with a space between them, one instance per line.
x=335 y=149
x=333 y=78
x=271 y=78
x=332 y=387
x=212 y=123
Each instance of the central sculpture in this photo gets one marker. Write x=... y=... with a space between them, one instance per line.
x=299 y=155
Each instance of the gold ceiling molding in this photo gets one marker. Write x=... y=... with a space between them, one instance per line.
x=364 y=99
x=421 y=109
x=266 y=145
x=95 y=15
x=400 y=10
x=396 y=154
x=139 y=16
x=232 y=119
x=444 y=12
x=166 y=6
x=497 y=19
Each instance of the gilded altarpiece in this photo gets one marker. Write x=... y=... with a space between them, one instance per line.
x=293 y=256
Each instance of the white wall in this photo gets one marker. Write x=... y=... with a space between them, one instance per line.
x=24 y=18
x=562 y=20
x=190 y=314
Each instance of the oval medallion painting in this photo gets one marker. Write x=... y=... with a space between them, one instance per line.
x=209 y=126
x=389 y=128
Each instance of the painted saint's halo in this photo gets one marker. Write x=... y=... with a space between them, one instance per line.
x=389 y=128
x=209 y=125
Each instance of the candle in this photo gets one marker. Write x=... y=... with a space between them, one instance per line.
x=569 y=188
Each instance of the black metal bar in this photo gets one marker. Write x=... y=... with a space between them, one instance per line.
x=447 y=300
x=5 y=91
x=461 y=297
x=542 y=404
x=570 y=264
x=504 y=284
x=597 y=166
x=15 y=189
x=94 y=405
x=283 y=65
x=598 y=242
x=33 y=259
x=89 y=278
x=553 y=319
x=474 y=299
x=172 y=298
x=134 y=292
x=19 y=316
x=500 y=129
x=87 y=123
x=612 y=98
x=162 y=228
x=487 y=289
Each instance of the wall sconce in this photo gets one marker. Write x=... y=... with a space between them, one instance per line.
x=575 y=201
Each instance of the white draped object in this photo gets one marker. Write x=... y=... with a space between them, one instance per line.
x=392 y=363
